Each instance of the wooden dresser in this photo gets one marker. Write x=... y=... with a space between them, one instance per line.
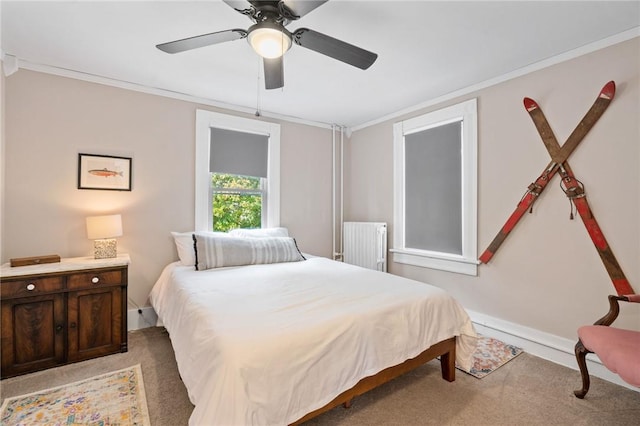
x=57 y=313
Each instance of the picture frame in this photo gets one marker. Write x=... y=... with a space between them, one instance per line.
x=105 y=172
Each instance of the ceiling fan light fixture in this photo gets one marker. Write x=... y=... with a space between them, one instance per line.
x=269 y=40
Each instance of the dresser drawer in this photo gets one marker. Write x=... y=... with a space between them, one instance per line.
x=31 y=287
x=94 y=279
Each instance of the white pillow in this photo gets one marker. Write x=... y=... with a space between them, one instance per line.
x=215 y=252
x=259 y=232
x=184 y=245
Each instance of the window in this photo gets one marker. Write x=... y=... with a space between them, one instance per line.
x=435 y=189
x=238 y=201
x=237 y=172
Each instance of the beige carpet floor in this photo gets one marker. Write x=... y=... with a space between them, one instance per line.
x=525 y=391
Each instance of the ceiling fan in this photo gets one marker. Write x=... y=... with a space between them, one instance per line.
x=270 y=39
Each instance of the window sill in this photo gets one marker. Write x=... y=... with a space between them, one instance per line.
x=456 y=264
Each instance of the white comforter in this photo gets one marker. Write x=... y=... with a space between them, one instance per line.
x=267 y=344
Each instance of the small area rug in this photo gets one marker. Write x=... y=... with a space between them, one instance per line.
x=111 y=399
x=490 y=354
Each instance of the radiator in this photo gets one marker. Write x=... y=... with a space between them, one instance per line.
x=365 y=244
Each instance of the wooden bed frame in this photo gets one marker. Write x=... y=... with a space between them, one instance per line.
x=446 y=350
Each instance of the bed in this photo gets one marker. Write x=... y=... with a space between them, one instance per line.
x=278 y=343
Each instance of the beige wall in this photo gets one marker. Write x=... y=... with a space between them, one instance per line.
x=547 y=276
x=50 y=119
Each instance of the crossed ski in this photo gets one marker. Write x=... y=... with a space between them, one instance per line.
x=535 y=189
x=573 y=189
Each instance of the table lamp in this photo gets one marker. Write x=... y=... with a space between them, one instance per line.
x=103 y=230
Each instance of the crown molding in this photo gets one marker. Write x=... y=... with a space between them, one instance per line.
x=127 y=85
x=136 y=87
x=563 y=57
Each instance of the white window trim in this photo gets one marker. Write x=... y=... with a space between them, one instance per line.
x=466 y=263
x=204 y=121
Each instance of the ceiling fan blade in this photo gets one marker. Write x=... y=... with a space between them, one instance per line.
x=239 y=5
x=201 y=40
x=273 y=73
x=334 y=48
x=299 y=8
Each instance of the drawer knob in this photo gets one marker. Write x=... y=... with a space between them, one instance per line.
x=31 y=286
x=95 y=280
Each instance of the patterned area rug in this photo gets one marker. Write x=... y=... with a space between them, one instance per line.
x=490 y=354
x=111 y=399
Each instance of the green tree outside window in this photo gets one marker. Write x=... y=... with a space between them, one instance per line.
x=237 y=202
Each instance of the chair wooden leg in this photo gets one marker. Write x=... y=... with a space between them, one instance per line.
x=581 y=353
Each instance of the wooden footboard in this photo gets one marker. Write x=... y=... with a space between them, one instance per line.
x=446 y=350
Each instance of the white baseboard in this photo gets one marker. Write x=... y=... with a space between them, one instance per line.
x=143 y=318
x=544 y=345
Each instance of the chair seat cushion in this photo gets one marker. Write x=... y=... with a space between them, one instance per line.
x=617 y=348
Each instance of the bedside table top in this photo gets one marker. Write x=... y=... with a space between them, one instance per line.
x=67 y=264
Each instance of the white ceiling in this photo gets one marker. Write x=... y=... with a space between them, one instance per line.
x=426 y=49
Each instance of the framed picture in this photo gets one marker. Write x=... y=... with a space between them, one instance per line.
x=104 y=172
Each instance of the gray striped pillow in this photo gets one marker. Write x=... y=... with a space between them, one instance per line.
x=216 y=252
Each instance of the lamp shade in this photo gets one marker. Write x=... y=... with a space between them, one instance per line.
x=269 y=40
x=99 y=227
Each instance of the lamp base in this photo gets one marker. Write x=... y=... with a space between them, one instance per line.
x=105 y=249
